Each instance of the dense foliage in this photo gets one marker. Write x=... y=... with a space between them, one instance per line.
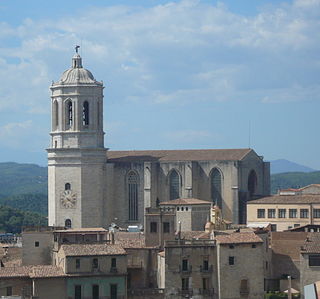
x=12 y=220
x=293 y=180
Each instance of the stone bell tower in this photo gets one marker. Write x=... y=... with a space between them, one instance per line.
x=76 y=157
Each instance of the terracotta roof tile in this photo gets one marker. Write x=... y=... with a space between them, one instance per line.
x=46 y=271
x=238 y=238
x=287 y=199
x=178 y=155
x=312 y=243
x=130 y=240
x=75 y=230
x=185 y=201
x=92 y=249
x=20 y=271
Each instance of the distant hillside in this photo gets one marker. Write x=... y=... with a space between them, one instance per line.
x=17 y=179
x=283 y=165
x=293 y=180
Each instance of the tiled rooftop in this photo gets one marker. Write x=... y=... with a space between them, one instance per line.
x=82 y=230
x=179 y=155
x=130 y=240
x=238 y=238
x=92 y=249
x=287 y=199
x=312 y=243
x=185 y=201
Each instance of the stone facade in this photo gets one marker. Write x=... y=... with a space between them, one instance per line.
x=91 y=187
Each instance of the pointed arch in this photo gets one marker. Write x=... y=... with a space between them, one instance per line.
x=133 y=187
x=174 y=184
x=85 y=113
x=216 y=181
x=68 y=223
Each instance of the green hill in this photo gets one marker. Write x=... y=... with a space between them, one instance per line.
x=17 y=179
x=293 y=180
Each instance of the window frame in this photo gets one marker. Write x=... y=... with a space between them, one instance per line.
x=304 y=213
x=261 y=213
x=282 y=213
x=153 y=227
x=231 y=260
x=293 y=213
x=271 y=213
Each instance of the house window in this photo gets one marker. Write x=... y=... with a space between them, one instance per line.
x=77 y=263
x=253 y=246
x=282 y=213
x=113 y=262
x=174 y=185
x=216 y=187
x=95 y=291
x=166 y=227
x=132 y=183
x=244 y=289
x=67 y=186
x=314 y=260
x=271 y=213
x=231 y=246
x=292 y=213
x=77 y=292
x=231 y=260
x=9 y=291
x=261 y=213
x=316 y=213
x=85 y=113
x=153 y=227
x=205 y=283
x=36 y=244
x=113 y=291
x=205 y=265
x=185 y=265
x=95 y=263
x=304 y=213
x=273 y=227
x=185 y=283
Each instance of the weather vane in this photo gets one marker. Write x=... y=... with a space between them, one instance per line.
x=77 y=47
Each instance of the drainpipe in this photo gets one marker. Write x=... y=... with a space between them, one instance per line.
x=311 y=214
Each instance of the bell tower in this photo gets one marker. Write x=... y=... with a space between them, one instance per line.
x=76 y=157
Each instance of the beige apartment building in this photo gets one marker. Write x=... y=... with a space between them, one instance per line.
x=284 y=212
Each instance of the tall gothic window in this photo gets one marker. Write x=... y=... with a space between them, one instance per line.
x=133 y=182
x=69 y=113
x=216 y=187
x=85 y=113
x=174 y=184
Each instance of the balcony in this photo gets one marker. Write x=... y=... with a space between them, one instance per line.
x=113 y=270
x=185 y=292
x=206 y=270
x=185 y=270
x=206 y=292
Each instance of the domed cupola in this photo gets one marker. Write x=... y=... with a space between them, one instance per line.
x=77 y=74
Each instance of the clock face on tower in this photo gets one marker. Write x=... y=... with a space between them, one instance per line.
x=68 y=199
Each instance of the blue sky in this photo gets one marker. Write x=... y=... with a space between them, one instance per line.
x=177 y=74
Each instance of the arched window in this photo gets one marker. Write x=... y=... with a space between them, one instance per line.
x=252 y=183
x=133 y=182
x=67 y=223
x=216 y=187
x=67 y=186
x=85 y=113
x=174 y=185
x=56 y=114
x=69 y=115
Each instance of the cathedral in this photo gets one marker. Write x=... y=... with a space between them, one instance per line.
x=91 y=186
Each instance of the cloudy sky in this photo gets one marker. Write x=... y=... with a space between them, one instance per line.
x=177 y=74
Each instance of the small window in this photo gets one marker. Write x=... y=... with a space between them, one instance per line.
x=67 y=223
x=296 y=225
x=271 y=213
x=185 y=265
x=231 y=246
x=273 y=227
x=153 y=227
x=205 y=283
x=316 y=213
x=244 y=289
x=166 y=227
x=9 y=291
x=185 y=283
x=253 y=245
x=95 y=291
x=67 y=186
x=77 y=263
x=282 y=213
x=314 y=260
x=85 y=113
x=113 y=291
x=182 y=208
x=187 y=209
x=231 y=260
x=95 y=263
x=205 y=265
x=178 y=209
x=36 y=244
x=261 y=213
x=113 y=262
x=292 y=213
x=77 y=292
x=304 y=213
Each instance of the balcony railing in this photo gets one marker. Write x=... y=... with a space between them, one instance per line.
x=206 y=292
x=185 y=270
x=185 y=292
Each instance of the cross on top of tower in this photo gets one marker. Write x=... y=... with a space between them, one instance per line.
x=77 y=48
